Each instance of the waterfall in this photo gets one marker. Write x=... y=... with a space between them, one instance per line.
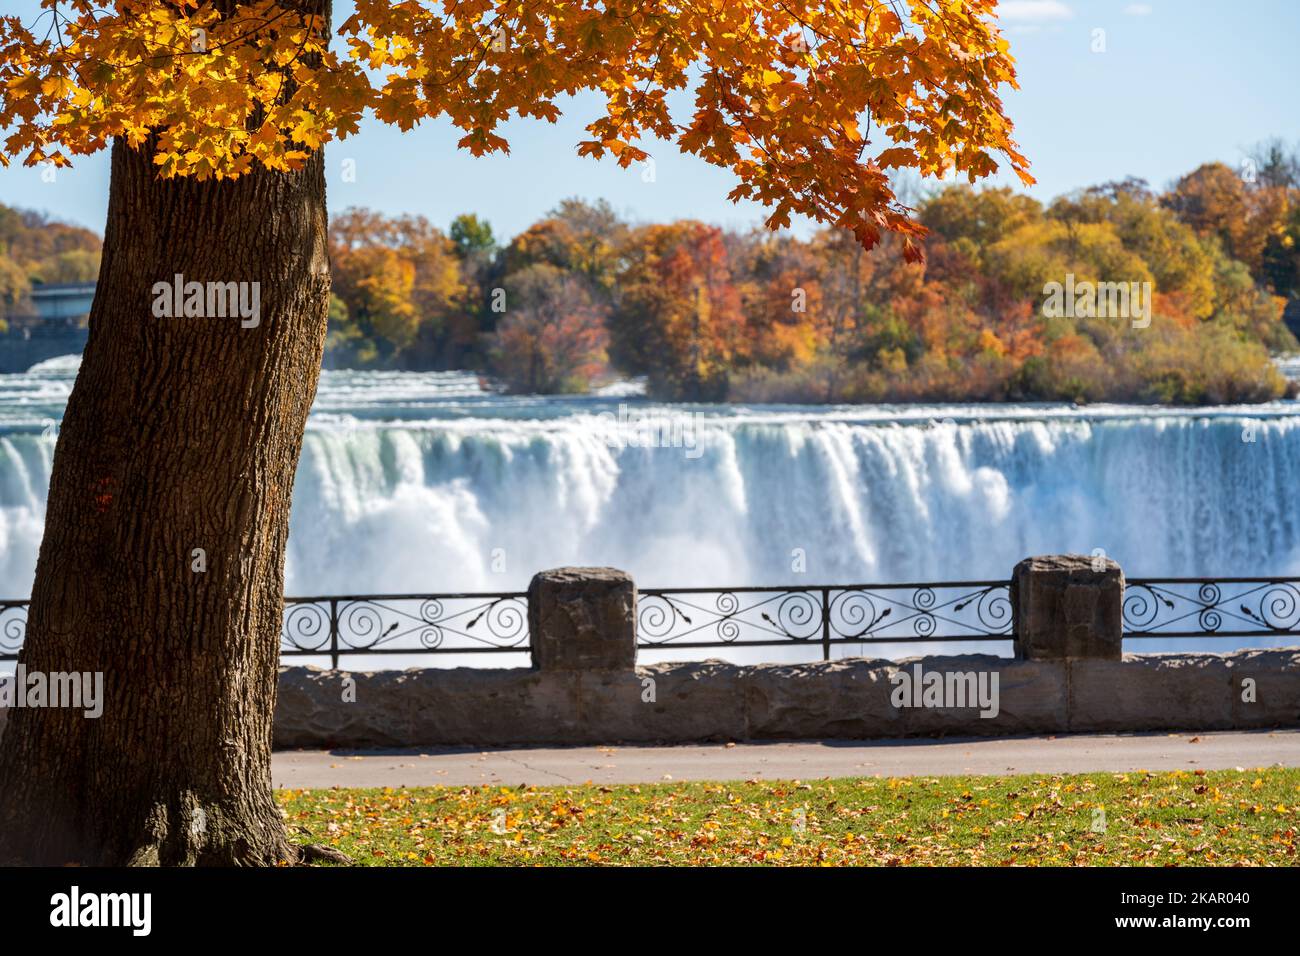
x=481 y=504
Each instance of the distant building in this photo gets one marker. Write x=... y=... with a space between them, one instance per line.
x=53 y=325
x=65 y=303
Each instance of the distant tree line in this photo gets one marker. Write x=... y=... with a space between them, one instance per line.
x=35 y=250
x=707 y=314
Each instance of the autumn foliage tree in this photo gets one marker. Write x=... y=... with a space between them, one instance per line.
x=185 y=434
x=552 y=336
x=679 y=319
x=781 y=297
x=402 y=285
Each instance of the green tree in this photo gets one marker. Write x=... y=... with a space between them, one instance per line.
x=472 y=236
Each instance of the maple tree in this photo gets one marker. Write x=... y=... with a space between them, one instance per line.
x=781 y=89
x=184 y=436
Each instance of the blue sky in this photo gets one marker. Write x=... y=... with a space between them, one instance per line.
x=1180 y=82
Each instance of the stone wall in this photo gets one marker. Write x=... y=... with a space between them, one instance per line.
x=1069 y=675
x=714 y=700
x=584 y=687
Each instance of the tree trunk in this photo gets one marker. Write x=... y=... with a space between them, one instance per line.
x=181 y=434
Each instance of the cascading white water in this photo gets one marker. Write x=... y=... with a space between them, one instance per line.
x=30 y=407
x=481 y=502
x=415 y=482
x=420 y=482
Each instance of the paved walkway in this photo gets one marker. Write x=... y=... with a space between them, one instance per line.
x=806 y=760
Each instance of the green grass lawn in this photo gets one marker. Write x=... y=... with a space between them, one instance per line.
x=1214 y=818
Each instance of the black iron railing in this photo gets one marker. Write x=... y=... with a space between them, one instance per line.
x=824 y=616
x=13 y=628
x=816 y=617
x=468 y=623
x=1211 y=607
x=413 y=624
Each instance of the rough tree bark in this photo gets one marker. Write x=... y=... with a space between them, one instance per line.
x=180 y=434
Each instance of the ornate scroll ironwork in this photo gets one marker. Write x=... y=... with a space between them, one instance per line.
x=860 y=614
x=405 y=624
x=1204 y=607
x=369 y=624
x=756 y=617
x=13 y=628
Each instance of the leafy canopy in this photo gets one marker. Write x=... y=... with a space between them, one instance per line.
x=809 y=102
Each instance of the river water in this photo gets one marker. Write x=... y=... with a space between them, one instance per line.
x=420 y=482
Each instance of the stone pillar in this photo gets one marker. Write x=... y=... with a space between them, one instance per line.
x=582 y=619
x=1068 y=607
